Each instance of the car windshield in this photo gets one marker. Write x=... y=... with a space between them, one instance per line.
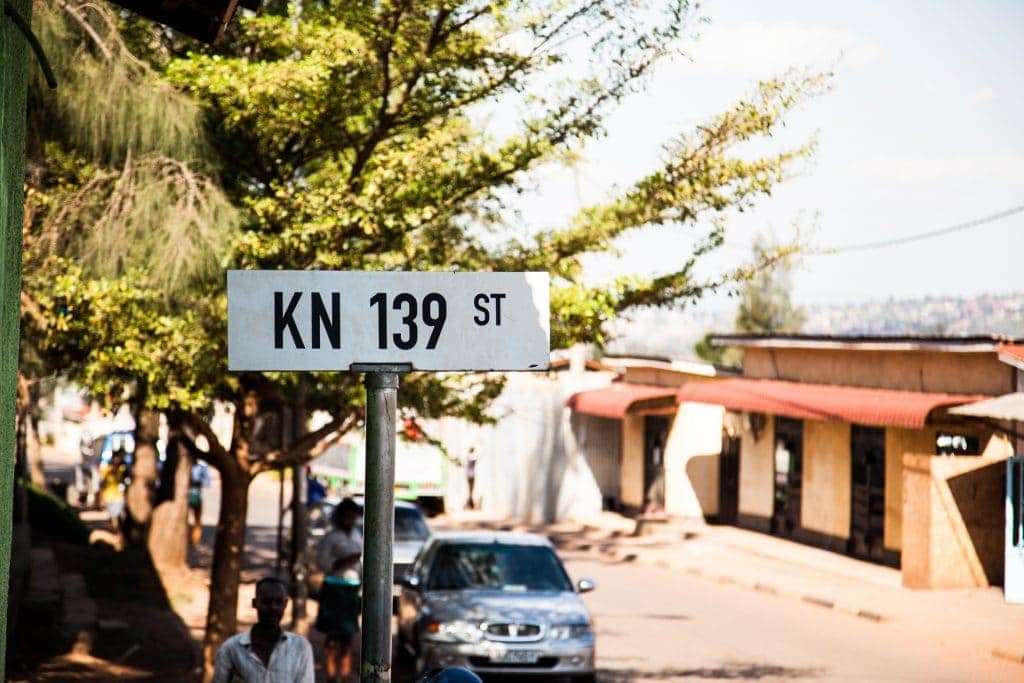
x=409 y=525
x=513 y=568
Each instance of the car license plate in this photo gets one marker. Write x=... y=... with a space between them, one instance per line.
x=515 y=657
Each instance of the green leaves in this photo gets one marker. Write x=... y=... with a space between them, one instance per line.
x=358 y=135
x=111 y=332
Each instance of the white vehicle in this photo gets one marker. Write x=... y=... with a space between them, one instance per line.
x=419 y=471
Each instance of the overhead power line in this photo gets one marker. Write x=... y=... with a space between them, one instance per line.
x=925 y=235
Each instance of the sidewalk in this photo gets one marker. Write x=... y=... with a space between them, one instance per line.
x=974 y=620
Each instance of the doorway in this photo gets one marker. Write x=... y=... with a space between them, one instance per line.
x=655 y=437
x=867 y=493
x=789 y=471
x=729 y=480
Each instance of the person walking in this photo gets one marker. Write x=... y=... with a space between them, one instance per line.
x=199 y=478
x=339 y=557
x=266 y=653
x=113 y=482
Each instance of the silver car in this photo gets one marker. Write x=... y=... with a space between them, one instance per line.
x=495 y=603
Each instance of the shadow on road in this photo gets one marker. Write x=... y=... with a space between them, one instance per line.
x=732 y=671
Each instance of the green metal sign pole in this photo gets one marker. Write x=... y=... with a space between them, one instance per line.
x=378 y=519
x=13 y=88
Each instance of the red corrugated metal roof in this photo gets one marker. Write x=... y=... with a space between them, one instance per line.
x=860 y=405
x=615 y=399
x=1012 y=354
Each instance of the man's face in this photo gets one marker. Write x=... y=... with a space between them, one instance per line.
x=251 y=405
x=270 y=602
x=347 y=520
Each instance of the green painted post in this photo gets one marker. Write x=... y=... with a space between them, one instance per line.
x=13 y=85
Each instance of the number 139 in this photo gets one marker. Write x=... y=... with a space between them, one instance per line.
x=435 y=313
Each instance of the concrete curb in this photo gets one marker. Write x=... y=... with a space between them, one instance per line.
x=758 y=586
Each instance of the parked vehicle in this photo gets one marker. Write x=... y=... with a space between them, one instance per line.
x=495 y=603
x=420 y=470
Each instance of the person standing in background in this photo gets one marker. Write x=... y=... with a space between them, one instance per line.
x=339 y=556
x=199 y=478
x=112 y=486
x=471 y=477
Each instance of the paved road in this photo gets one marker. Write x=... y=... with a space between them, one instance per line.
x=658 y=625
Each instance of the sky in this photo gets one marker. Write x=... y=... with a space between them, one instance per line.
x=923 y=129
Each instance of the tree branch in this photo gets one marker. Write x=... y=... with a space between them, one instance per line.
x=386 y=115
x=218 y=456
x=304 y=448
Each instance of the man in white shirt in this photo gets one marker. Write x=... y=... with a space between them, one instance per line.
x=266 y=653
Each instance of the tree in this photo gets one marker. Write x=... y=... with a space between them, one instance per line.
x=765 y=304
x=351 y=136
x=118 y=181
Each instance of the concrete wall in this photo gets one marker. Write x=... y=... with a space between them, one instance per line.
x=928 y=371
x=691 y=461
x=632 y=481
x=660 y=377
x=953 y=533
x=898 y=442
x=757 y=470
x=529 y=464
x=825 y=506
x=599 y=441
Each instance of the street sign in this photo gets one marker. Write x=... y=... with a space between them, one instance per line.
x=329 y=320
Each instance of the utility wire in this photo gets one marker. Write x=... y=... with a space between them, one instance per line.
x=924 y=235
x=896 y=241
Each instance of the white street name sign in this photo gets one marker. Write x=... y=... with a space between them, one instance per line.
x=328 y=320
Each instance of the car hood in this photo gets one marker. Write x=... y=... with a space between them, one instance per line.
x=539 y=607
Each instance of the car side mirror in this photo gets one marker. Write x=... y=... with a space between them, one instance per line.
x=585 y=585
x=411 y=581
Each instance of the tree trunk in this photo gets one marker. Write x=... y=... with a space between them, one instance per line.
x=142 y=490
x=167 y=542
x=221 y=617
x=34 y=451
x=24 y=419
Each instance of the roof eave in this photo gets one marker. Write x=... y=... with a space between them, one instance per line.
x=947 y=345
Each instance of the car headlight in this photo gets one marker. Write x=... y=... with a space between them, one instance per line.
x=453 y=631
x=570 y=631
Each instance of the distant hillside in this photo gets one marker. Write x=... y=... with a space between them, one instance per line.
x=673 y=333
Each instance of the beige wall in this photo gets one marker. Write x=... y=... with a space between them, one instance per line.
x=897 y=443
x=662 y=377
x=929 y=371
x=825 y=507
x=632 y=482
x=691 y=461
x=757 y=471
x=953 y=536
